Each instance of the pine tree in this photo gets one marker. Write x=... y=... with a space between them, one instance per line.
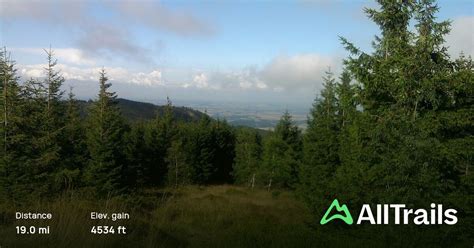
x=137 y=155
x=204 y=150
x=224 y=143
x=158 y=137
x=403 y=84
x=13 y=142
x=321 y=146
x=46 y=125
x=105 y=142
x=74 y=148
x=346 y=102
x=282 y=154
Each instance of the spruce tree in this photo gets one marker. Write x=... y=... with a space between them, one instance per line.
x=13 y=140
x=137 y=155
x=106 y=167
x=346 y=102
x=321 y=147
x=74 y=151
x=159 y=135
x=404 y=83
x=414 y=112
x=204 y=150
x=282 y=154
x=46 y=126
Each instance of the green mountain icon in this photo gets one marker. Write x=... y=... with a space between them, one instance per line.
x=347 y=217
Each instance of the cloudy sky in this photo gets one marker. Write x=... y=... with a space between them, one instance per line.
x=217 y=50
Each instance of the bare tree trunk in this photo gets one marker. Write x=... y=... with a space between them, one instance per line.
x=253 y=180
x=5 y=103
x=176 y=170
x=270 y=183
x=50 y=79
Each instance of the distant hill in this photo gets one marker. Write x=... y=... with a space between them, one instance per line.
x=137 y=111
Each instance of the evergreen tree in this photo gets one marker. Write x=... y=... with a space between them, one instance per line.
x=45 y=124
x=346 y=102
x=137 y=155
x=321 y=146
x=204 y=151
x=74 y=148
x=282 y=154
x=158 y=138
x=13 y=142
x=404 y=82
x=224 y=153
x=105 y=142
x=415 y=112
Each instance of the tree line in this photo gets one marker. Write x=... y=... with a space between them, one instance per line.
x=48 y=147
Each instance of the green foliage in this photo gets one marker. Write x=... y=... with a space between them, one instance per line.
x=12 y=136
x=179 y=170
x=248 y=157
x=210 y=145
x=321 y=146
x=282 y=155
x=406 y=88
x=106 y=169
x=74 y=153
x=396 y=128
x=403 y=132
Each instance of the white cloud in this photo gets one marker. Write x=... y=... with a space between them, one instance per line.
x=115 y=74
x=298 y=71
x=283 y=73
x=152 y=78
x=301 y=73
x=461 y=38
x=68 y=72
x=200 y=81
x=245 y=79
x=63 y=55
x=73 y=56
x=32 y=71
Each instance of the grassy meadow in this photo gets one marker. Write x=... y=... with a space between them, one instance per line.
x=215 y=216
x=194 y=216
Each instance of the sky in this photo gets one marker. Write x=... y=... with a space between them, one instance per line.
x=219 y=50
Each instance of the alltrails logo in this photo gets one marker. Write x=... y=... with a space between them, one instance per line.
x=347 y=217
x=401 y=215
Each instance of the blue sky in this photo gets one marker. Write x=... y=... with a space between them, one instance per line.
x=262 y=51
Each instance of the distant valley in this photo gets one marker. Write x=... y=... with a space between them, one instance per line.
x=257 y=115
x=261 y=116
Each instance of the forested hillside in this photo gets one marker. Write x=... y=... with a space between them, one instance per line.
x=396 y=126
x=142 y=111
